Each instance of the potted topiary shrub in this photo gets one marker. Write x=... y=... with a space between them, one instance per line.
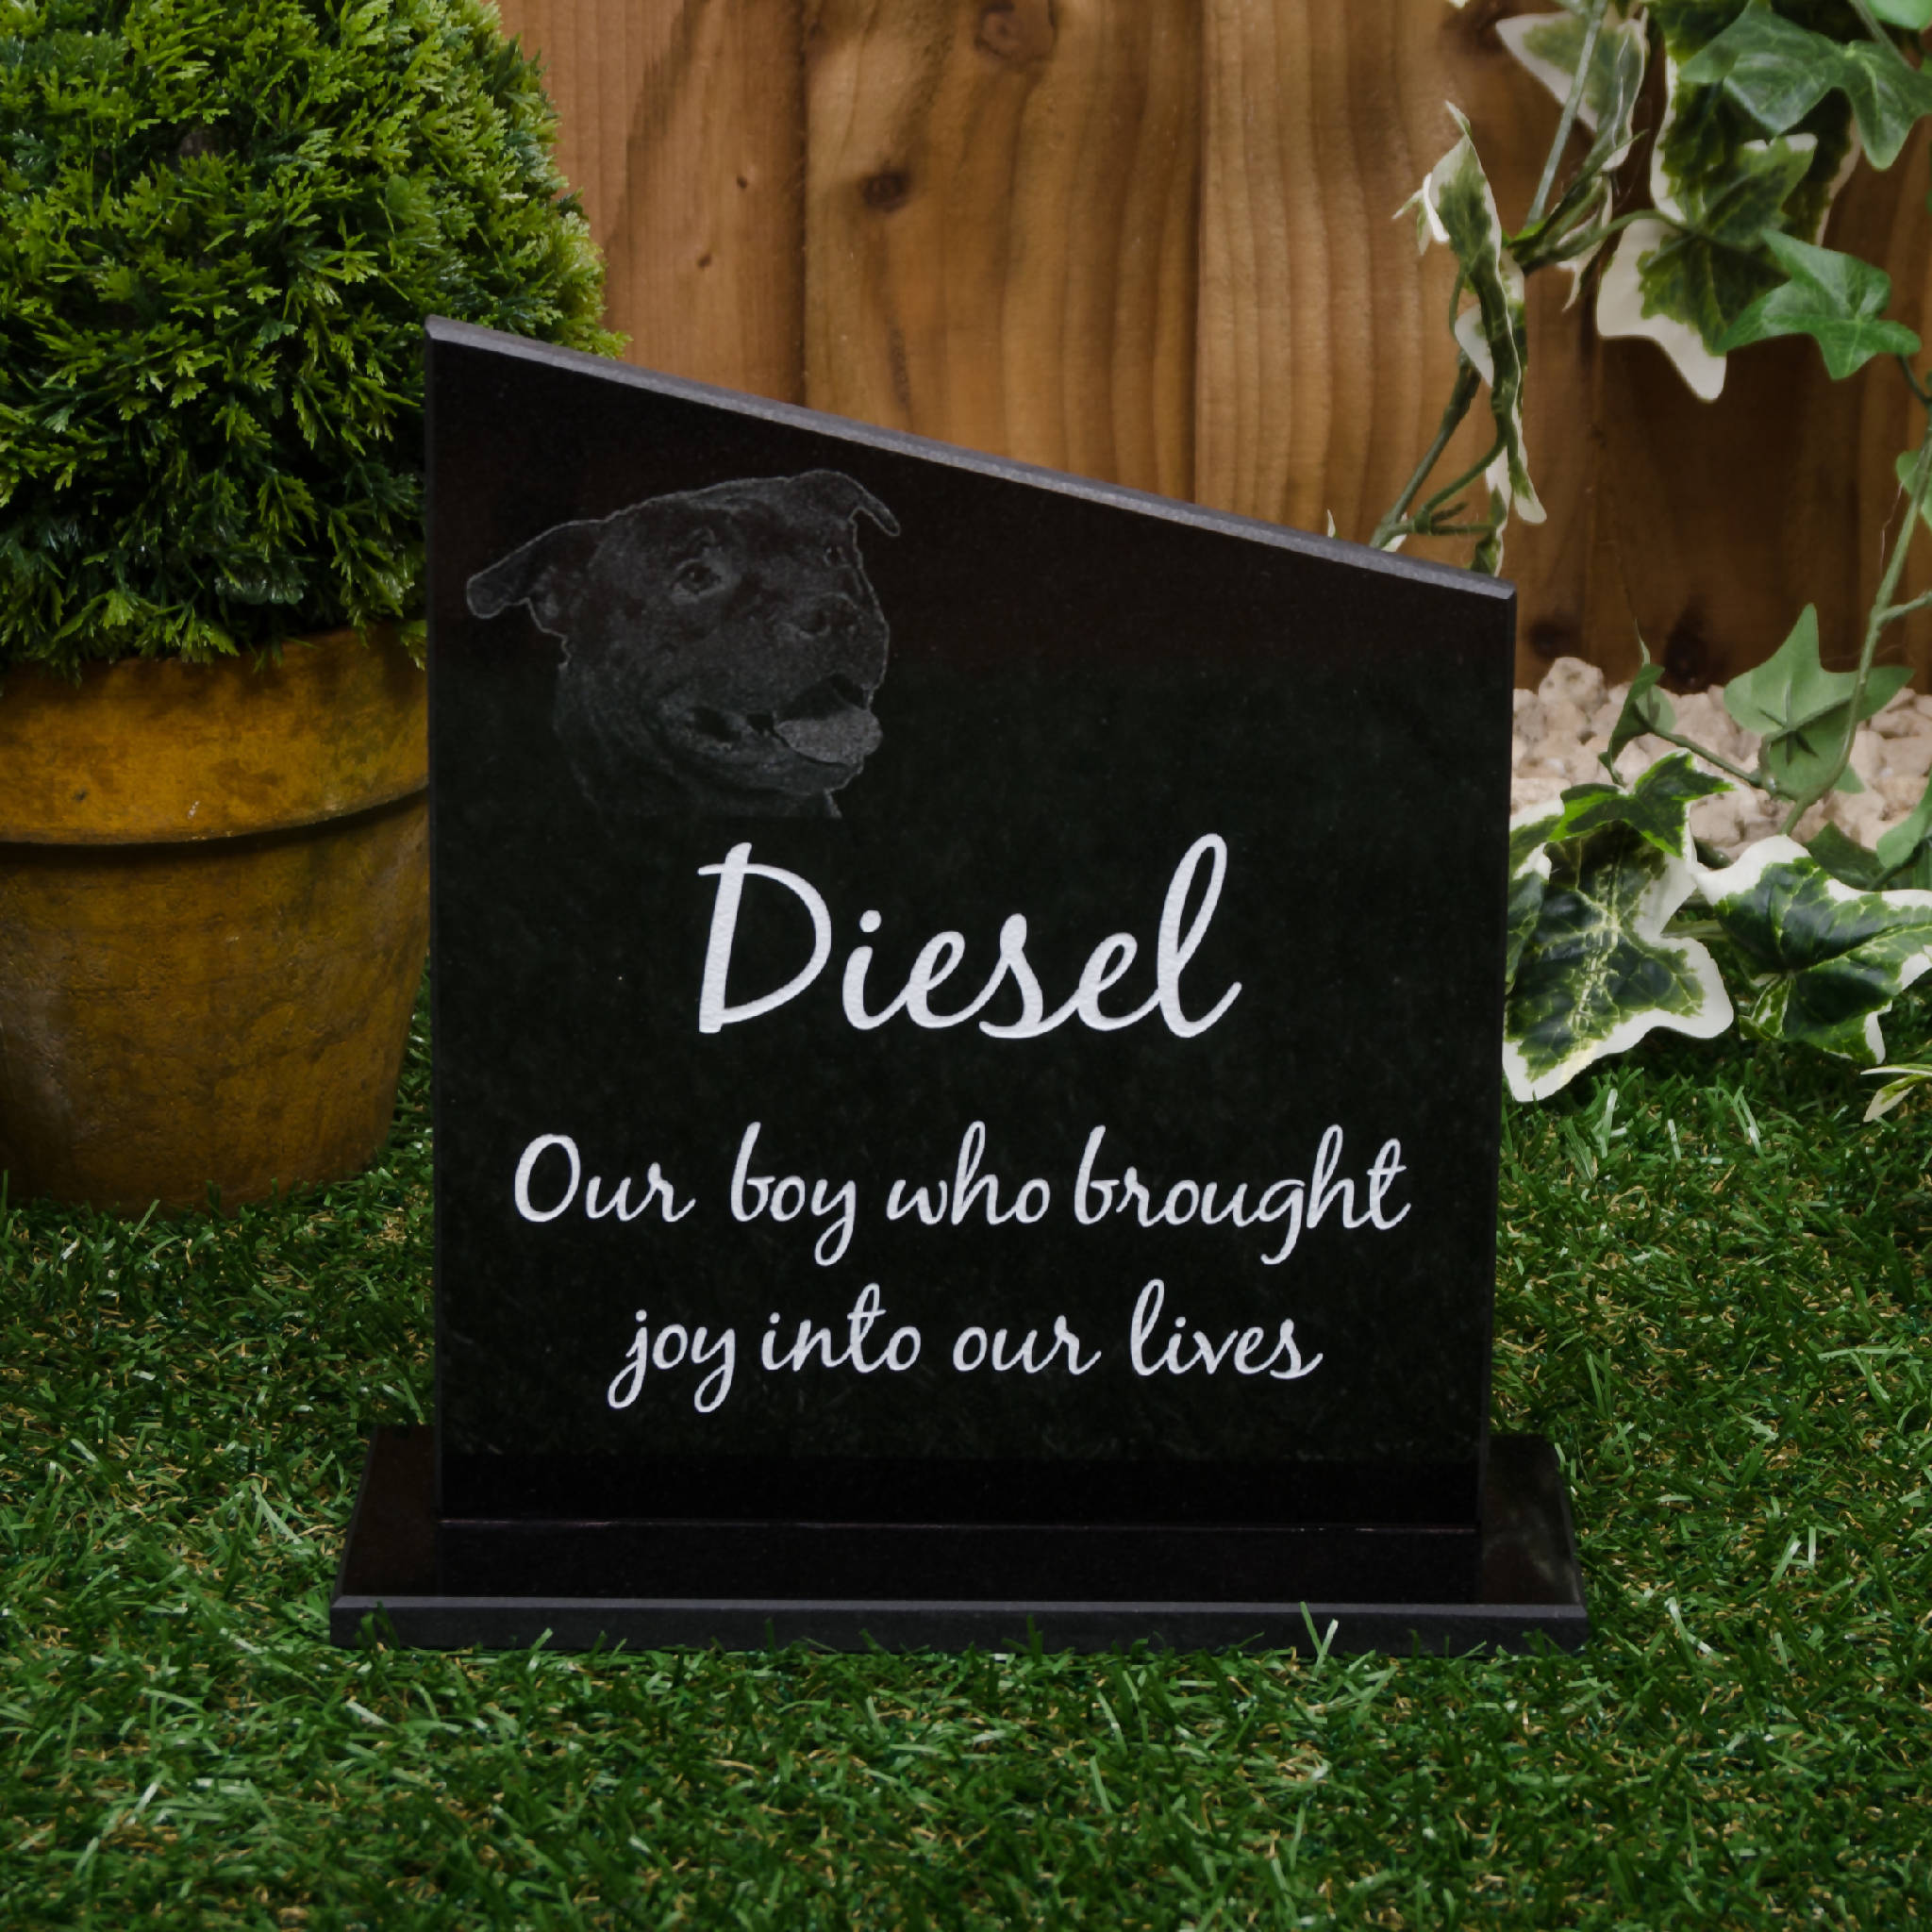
x=222 y=222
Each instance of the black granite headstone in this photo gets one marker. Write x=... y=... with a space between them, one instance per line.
x=967 y=1018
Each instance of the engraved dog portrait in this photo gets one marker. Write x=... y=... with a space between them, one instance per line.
x=721 y=648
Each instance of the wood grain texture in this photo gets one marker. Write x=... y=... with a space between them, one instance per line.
x=1893 y=228
x=1852 y=432
x=1001 y=226
x=1154 y=241
x=1325 y=353
x=682 y=127
x=1718 y=522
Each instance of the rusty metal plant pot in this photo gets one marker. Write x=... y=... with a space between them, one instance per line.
x=214 y=914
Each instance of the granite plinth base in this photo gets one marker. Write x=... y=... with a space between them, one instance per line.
x=1526 y=1585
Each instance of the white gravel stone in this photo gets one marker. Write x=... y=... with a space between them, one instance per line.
x=1812 y=823
x=1563 y=726
x=1716 y=821
x=1587 y=760
x=1909 y=757
x=1863 y=815
x=1900 y=716
x=1564 y=722
x=1570 y=680
x=1533 y=789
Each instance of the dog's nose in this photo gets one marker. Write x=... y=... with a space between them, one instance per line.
x=829 y=616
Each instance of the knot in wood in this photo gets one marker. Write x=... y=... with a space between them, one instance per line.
x=1687 y=653
x=1476 y=23
x=887 y=189
x=1017 y=32
x=1552 y=637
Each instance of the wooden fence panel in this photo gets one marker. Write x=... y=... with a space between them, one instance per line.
x=1325 y=357
x=1884 y=219
x=1001 y=226
x=683 y=128
x=1154 y=241
x=1718 y=522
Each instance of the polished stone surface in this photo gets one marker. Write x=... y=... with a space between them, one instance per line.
x=745 y=1591
x=1080 y=687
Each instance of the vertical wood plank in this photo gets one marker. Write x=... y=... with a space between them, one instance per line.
x=1724 y=520
x=1324 y=355
x=1001 y=223
x=1890 y=422
x=682 y=127
x=1554 y=564
x=1854 y=449
x=1151 y=241
x=1685 y=562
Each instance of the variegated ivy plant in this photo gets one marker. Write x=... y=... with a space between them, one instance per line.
x=1619 y=923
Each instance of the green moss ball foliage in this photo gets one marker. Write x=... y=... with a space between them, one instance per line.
x=222 y=222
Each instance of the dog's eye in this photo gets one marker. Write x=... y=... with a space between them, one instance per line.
x=694 y=579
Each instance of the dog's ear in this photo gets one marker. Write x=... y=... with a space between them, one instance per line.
x=834 y=492
x=547 y=573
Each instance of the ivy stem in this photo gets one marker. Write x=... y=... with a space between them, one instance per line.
x=1710 y=757
x=1882 y=612
x=1395 y=522
x=1863 y=11
x=1898 y=610
x=1579 y=83
x=1460 y=395
x=1442 y=496
x=1575 y=243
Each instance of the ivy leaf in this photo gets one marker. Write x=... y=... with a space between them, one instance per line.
x=1802 y=710
x=1717 y=185
x=1584 y=216
x=1778 y=71
x=1831 y=959
x=1704 y=128
x=1912 y=1074
x=1645 y=708
x=1905 y=851
x=1908 y=461
x=1902 y=862
x=1837 y=299
x=1488 y=556
x=1684 y=280
x=1454 y=206
x=1657 y=807
x=1798 y=761
x=1550 y=47
x=1888 y=97
x=1628 y=304
x=1914 y=15
x=1846 y=860
x=1598 y=974
x=1733 y=209
x=1775 y=69
x=1706 y=269
x=1529 y=872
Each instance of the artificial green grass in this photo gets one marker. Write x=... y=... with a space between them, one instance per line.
x=1711 y=1293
